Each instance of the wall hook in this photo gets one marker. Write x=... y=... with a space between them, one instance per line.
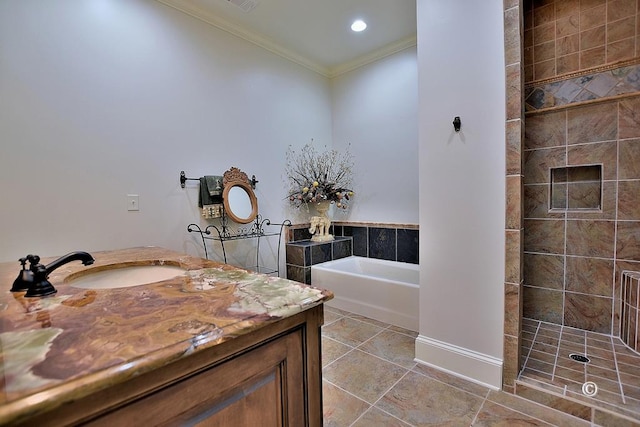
x=457 y=123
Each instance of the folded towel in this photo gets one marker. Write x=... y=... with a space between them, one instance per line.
x=214 y=184
x=210 y=195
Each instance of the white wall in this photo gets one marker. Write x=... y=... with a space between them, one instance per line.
x=375 y=109
x=99 y=99
x=462 y=184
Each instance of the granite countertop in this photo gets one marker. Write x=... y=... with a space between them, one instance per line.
x=79 y=341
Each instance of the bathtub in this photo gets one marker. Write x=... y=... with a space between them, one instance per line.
x=383 y=290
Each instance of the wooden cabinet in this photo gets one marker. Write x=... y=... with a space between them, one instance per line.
x=270 y=377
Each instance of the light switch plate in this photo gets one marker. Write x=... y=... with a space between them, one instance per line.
x=133 y=202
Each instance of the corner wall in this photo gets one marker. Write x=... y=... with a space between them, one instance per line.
x=462 y=187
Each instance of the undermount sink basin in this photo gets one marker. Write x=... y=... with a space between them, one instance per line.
x=123 y=277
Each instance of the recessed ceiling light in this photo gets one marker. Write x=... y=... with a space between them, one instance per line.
x=358 y=25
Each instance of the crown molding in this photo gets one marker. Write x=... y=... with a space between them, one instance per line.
x=186 y=7
x=387 y=50
x=250 y=36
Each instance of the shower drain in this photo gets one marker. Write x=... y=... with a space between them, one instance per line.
x=579 y=358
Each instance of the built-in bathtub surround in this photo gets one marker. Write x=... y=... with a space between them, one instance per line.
x=392 y=242
x=301 y=255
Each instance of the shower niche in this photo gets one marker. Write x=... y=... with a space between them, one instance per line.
x=576 y=188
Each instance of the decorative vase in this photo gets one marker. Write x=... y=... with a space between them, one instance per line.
x=321 y=223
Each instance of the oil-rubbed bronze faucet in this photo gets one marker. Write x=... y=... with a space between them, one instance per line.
x=35 y=279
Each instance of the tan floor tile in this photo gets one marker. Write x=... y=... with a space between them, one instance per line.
x=365 y=376
x=423 y=401
x=350 y=331
x=392 y=346
x=496 y=415
x=452 y=380
x=332 y=349
x=340 y=409
x=374 y=417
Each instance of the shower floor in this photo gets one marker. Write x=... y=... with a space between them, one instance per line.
x=614 y=368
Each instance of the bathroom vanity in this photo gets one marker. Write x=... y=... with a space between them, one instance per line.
x=215 y=345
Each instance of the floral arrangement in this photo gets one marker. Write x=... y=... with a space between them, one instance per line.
x=315 y=176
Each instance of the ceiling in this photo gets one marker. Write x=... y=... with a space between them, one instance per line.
x=314 y=33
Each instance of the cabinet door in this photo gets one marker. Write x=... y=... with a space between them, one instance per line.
x=261 y=387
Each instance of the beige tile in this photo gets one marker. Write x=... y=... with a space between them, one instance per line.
x=544 y=69
x=542 y=304
x=332 y=350
x=628 y=197
x=512 y=309
x=512 y=44
x=544 y=236
x=544 y=271
x=544 y=51
x=568 y=26
x=590 y=238
x=629 y=166
x=376 y=417
x=544 y=14
x=608 y=205
x=537 y=204
x=622 y=29
x=629 y=122
x=511 y=362
x=513 y=256
x=538 y=163
x=588 y=4
x=492 y=414
x=513 y=216
x=619 y=9
x=424 y=401
x=592 y=18
x=588 y=312
x=566 y=8
x=593 y=57
x=514 y=141
x=544 y=33
x=536 y=410
x=592 y=276
x=546 y=130
x=604 y=153
x=350 y=331
x=568 y=63
x=556 y=402
x=451 y=380
x=593 y=123
x=628 y=241
x=339 y=407
x=393 y=347
x=620 y=50
x=514 y=91
x=363 y=375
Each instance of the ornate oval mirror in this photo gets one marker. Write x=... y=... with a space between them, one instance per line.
x=239 y=200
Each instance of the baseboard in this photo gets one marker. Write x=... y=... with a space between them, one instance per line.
x=468 y=364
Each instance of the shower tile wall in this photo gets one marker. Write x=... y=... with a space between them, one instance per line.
x=573 y=258
x=565 y=36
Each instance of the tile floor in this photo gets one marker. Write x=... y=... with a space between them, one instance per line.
x=613 y=367
x=370 y=379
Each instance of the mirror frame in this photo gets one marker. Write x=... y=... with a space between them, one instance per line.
x=236 y=178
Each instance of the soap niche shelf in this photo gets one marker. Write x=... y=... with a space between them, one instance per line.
x=576 y=188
